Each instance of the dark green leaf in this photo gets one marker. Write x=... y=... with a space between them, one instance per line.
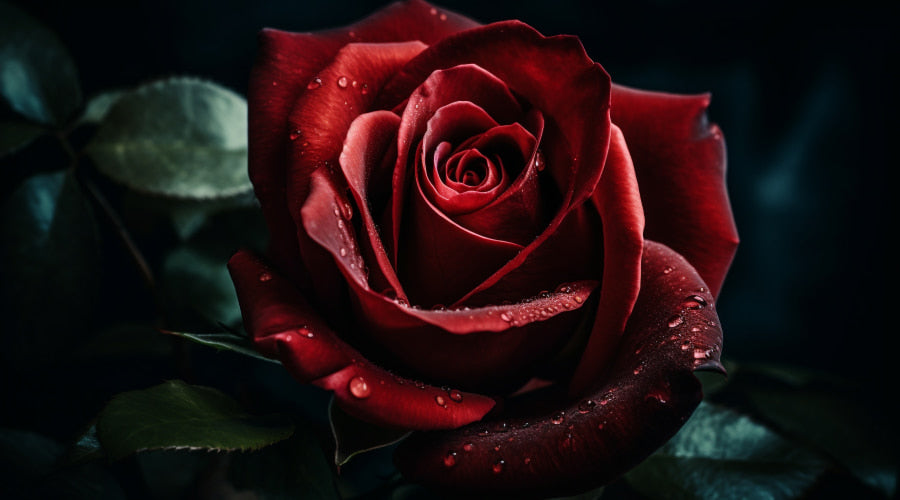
x=37 y=76
x=293 y=469
x=98 y=106
x=175 y=415
x=353 y=436
x=197 y=279
x=225 y=342
x=182 y=138
x=86 y=448
x=49 y=267
x=17 y=135
x=721 y=454
x=825 y=413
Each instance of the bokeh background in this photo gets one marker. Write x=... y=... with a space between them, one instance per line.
x=804 y=96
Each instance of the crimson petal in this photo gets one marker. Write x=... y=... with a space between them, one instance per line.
x=646 y=397
x=285 y=64
x=680 y=162
x=285 y=328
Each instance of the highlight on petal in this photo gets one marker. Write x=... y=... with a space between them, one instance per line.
x=680 y=162
x=284 y=327
x=642 y=401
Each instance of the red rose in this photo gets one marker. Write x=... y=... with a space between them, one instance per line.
x=477 y=207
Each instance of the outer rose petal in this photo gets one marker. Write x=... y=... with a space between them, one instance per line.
x=680 y=162
x=284 y=327
x=285 y=64
x=648 y=394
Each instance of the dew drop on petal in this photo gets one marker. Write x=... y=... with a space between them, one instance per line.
x=440 y=400
x=343 y=252
x=527 y=460
x=314 y=83
x=685 y=345
x=579 y=299
x=359 y=388
x=586 y=406
x=364 y=89
x=557 y=419
x=668 y=269
x=450 y=459
x=695 y=329
x=676 y=320
x=638 y=370
x=455 y=395
x=694 y=302
x=468 y=447
x=264 y=276
x=294 y=135
x=498 y=466
x=505 y=317
x=342 y=82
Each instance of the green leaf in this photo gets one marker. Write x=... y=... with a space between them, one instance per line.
x=175 y=415
x=197 y=279
x=353 y=436
x=721 y=454
x=824 y=413
x=290 y=470
x=98 y=106
x=37 y=76
x=181 y=137
x=224 y=342
x=49 y=267
x=16 y=135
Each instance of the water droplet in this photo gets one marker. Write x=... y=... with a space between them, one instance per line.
x=342 y=82
x=274 y=83
x=433 y=11
x=527 y=460
x=702 y=354
x=264 y=276
x=506 y=317
x=439 y=307
x=685 y=345
x=694 y=302
x=564 y=289
x=347 y=210
x=579 y=299
x=557 y=419
x=443 y=17
x=502 y=427
x=364 y=89
x=668 y=269
x=675 y=321
x=354 y=84
x=702 y=289
x=450 y=459
x=661 y=398
x=498 y=466
x=604 y=402
x=440 y=401
x=483 y=432
x=359 y=388
x=314 y=83
x=305 y=332
x=468 y=447
x=711 y=323
x=638 y=370
x=695 y=329
x=294 y=135
x=343 y=252
x=455 y=395
x=586 y=406
x=497 y=448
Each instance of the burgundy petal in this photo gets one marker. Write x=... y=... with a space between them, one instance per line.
x=465 y=82
x=370 y=142
x=556 y=77
x=286 y=63
x=680 y=163
x=619 y=204
x=285 y=328
x=647 y=395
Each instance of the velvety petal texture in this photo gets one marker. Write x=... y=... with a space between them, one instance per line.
x=647 y=394
x=458 y=217
x=680 y=162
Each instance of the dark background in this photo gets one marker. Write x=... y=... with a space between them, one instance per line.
x=802 y=95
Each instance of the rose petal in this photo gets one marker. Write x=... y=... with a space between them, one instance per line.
x=465 y=82
x=285 y=64
x=619 y=204
x=560 y=81
x=370 y=141
x=680 y=163
x=285 y=328
x=646 y=397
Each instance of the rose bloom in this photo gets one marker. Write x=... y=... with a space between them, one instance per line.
x=476 y=236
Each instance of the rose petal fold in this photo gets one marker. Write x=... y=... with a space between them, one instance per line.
x=644 y=399
x=680 y=162
x=284 y=327
x=286 y=63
